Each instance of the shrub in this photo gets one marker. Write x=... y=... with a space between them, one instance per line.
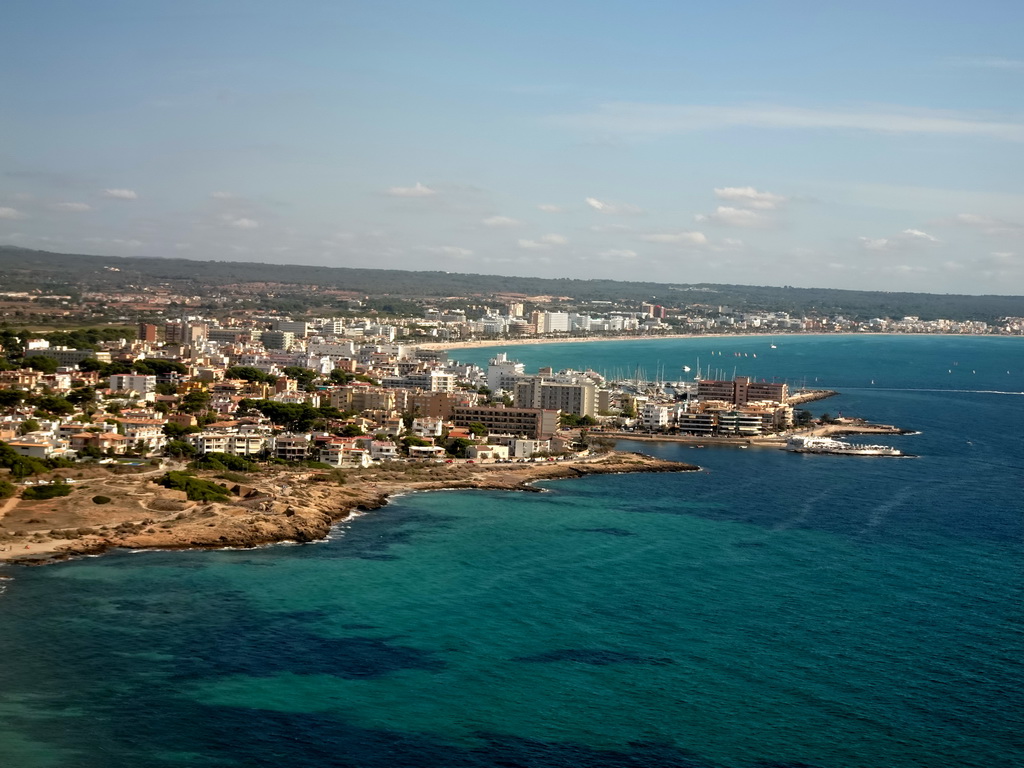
x=7 y=489
x=51 y=491
x=101 y=499
x=217 y=461
x=195 y=488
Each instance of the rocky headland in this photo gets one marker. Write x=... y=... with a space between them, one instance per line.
x=106 y=511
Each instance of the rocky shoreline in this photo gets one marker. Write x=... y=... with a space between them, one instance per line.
x=281 y=505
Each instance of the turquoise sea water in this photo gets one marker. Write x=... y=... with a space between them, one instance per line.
x=772 y=610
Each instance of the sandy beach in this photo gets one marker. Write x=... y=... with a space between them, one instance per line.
x=476 y=344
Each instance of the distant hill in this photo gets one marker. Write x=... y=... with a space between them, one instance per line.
x=24 y=269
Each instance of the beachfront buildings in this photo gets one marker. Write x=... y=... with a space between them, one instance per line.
x=534 y=423
x=741 y=390
x=575 y=395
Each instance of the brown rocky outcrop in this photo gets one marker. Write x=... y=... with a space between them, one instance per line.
x=294 y=505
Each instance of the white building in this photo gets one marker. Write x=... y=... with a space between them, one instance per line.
x=482 y=452
x=655 y=416
x=503 y=373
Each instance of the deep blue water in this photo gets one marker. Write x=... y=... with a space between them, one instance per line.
x=772 y=610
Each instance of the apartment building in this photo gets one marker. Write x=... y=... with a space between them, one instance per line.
x=536 y=423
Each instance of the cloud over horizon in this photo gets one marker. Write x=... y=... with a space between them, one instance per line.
x=750 y=197
x=645 y=119
x=121 y=194
x=418 y=190
x=612 y=209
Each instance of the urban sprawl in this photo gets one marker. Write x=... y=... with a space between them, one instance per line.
x=350 y=391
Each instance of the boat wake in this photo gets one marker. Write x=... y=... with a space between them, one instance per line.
x=922 y=389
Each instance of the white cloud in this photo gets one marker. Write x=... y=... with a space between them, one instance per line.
x=121 y=194
x=732 y=242
x=73 y=207
x=607 y=229
x=874 y=244
x=908 y=238
x=222 y=196
x=554 y=239
x=917 y=234
x=450 y=250
x=417 y=191
x=692 y=238
x=615 y=253
x=735 y=217
x=612 y=208
x=500 y=222
x=750 y=197
x=11 y=214
x=532 y=245
x=240 y=222
x=639 y=119
x=990 y=225
x=550 y=208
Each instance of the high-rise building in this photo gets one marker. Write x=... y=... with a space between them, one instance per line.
x=579 y=398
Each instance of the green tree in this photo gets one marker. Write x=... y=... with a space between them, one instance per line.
x=42 y=363
x=81 y=396
x=247 y=373
x=175 y=431
x=28 y=425
x=195 y=401
x=458 y=446
x=304 y=376
x=179 y=448
x=52 y=404
x=158 y=367
x=11 y=398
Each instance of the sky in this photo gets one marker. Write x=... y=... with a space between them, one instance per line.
x=869 y=145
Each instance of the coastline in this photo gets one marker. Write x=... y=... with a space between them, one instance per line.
x=855 y=427
x=775 y=335
x=292 y=506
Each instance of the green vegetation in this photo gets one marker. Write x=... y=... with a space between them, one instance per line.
x=195 y=488
x=23 y=466
x=7 y=489
x=458 y=446
x=248 y=373
x=11 y=398
x=572 y=420
x=297 y=417
x=396 y=291
x=224 y=461
x=42 y=492
x=304 y=376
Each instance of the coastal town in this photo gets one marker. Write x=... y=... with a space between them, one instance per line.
x=113 y=441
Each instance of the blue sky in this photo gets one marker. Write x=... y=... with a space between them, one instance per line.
x=863 y=145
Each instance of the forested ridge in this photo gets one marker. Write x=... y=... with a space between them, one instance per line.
x=23 y=269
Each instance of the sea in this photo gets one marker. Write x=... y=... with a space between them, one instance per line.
x=771 y=610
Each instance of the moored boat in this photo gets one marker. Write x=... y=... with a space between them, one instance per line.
x=810 y=444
